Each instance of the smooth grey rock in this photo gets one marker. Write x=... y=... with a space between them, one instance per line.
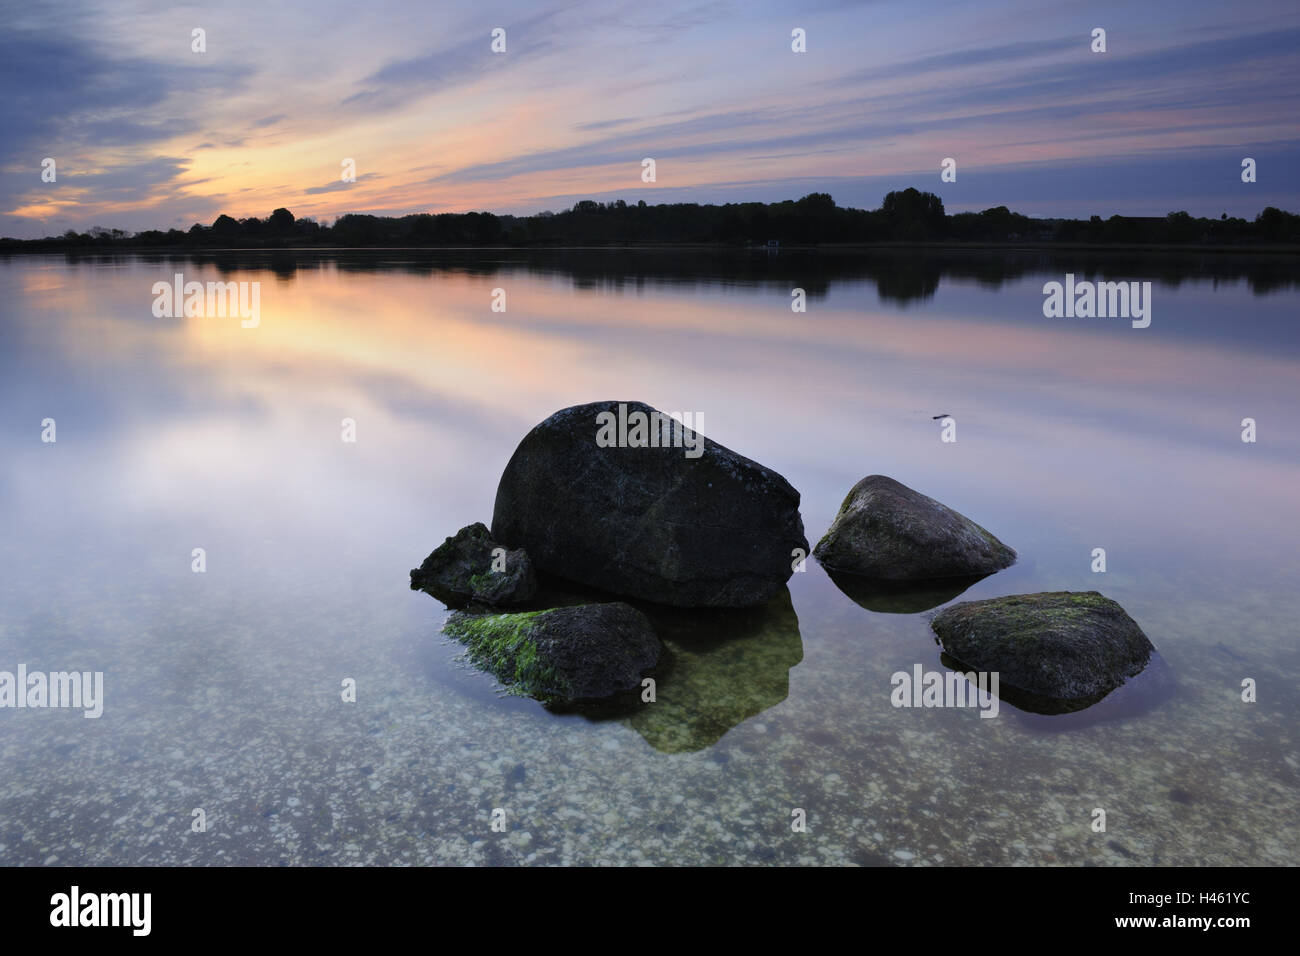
x=888 y=531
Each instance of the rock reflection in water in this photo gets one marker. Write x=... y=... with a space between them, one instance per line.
x=901 y=597
x=721 y=668
x=1136 y=696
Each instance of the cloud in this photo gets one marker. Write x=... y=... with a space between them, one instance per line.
x=1196 y=75
x=339 y=184
x=631 y=147
x=1219 y=72
x=608 y=124
x=75 y=99
x=960 y=59
x=397 y=83
x=129 y=182
x=63 y=94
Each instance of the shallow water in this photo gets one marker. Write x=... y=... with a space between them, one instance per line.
x=223 y=688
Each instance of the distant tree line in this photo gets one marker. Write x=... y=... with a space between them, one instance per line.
x=907 y=215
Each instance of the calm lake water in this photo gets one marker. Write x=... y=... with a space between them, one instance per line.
x=222 y=689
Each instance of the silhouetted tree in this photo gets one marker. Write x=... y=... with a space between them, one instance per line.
x=281 y=221
x=1277 y=225
x=912 y=214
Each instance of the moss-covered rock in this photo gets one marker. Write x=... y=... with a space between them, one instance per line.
x=887 y=530
x=1066 y=645
x=585 y=652
x=465 y=569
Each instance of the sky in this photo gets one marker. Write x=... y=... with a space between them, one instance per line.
x=145 y=132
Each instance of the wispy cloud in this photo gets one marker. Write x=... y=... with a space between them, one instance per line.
x=338 y=184
x=397 y=83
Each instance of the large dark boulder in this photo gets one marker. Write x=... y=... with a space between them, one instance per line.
x=886 y=530
x=584 y=652
x=463 y=569
x=1063 y=645
x=692 y=525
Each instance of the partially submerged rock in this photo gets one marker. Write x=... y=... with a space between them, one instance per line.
x=690 y=523
x=887 y=530
x=472 y=567
x=586 y=652
x=1061 y=645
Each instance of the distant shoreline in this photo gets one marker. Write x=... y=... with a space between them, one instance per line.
x=47 y=246
x=906 y=219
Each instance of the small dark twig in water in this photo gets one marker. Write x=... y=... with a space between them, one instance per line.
x=937 y=417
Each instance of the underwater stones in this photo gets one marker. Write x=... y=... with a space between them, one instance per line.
x=686 y=523
x=1058 y=645
x=472 y=567
x=888 y=531
x=584 y=652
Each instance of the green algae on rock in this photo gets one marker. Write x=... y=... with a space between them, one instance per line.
x=584 y=652
x=888 y=531
x=1066 y=645
x=472 y=567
